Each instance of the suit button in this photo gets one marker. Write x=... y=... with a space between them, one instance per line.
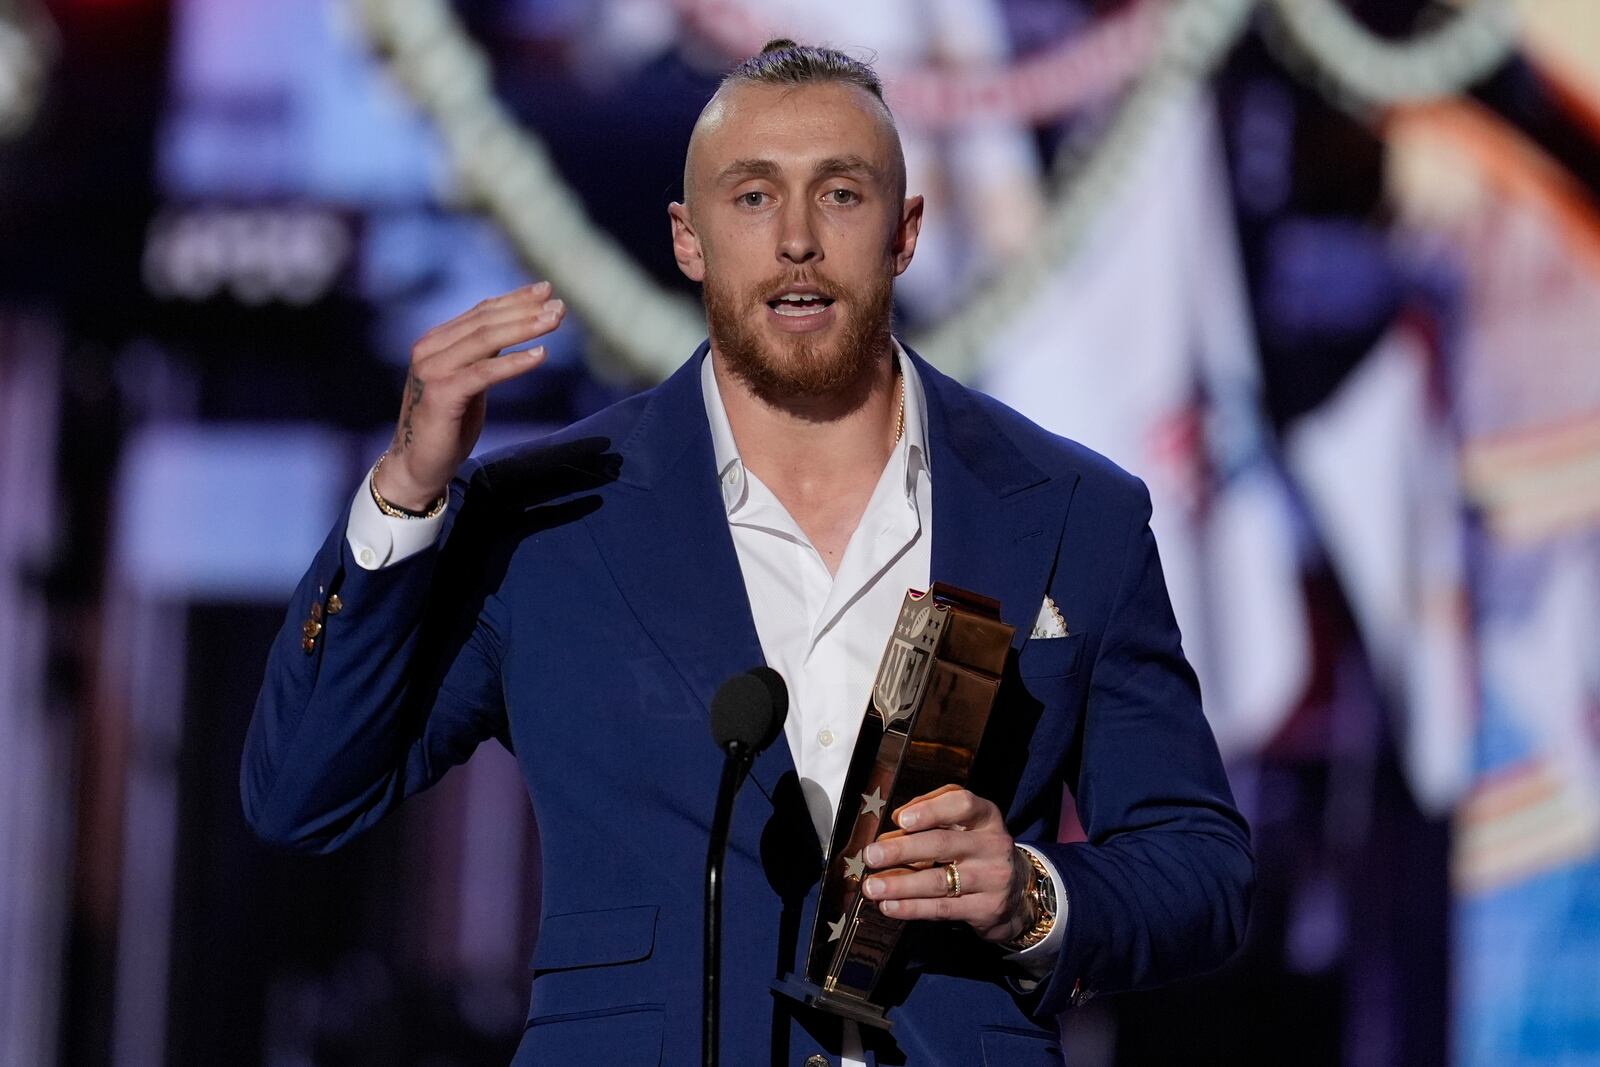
x=309 y=644
x=335 y=605
x=310 y=628
x=816 y=1059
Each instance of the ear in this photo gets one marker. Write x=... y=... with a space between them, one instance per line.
x=686 y=244
x=905 y=233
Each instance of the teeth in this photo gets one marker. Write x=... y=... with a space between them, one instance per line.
x=799 y=305
x=795 y=312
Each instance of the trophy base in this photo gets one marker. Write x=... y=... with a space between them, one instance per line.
x=845 y=1007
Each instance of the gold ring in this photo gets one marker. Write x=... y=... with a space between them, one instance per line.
x=952 y=880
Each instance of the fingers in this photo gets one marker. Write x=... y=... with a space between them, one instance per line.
x=990 y=914
x=948 y=825
x=452 y=366
x=948 y=806
x=455 y=363
x=986 y=902
x=490 y=332
x=494 y=371
x=936 y=846
x=525 y=300
x=447 y=333
x=978 y=875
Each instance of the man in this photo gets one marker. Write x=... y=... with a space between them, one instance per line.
x=581 y=599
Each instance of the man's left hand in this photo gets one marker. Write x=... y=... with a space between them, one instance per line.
x=951 y=825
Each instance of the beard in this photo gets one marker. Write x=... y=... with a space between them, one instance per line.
x=798 y=367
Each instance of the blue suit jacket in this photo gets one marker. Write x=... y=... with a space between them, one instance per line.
x=582 y=608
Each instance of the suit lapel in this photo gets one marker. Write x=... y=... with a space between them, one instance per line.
x=664 y=534
x=997 y=518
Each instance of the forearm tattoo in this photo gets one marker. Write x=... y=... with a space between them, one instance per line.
x=414 y=387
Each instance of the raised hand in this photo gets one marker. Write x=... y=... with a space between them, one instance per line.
x=453 y=366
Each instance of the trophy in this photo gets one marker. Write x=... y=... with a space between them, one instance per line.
x=929 y=705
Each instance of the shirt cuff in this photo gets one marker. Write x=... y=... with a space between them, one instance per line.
x=377 y=540
x=1038 y=960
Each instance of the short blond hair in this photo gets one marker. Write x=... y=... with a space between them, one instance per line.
x=783 y=62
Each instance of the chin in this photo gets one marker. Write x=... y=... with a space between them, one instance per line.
x=802 y=367
x=800 y=358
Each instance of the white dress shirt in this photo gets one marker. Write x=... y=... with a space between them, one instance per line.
x=824 y=633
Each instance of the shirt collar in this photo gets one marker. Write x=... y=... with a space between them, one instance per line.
x=911 y=451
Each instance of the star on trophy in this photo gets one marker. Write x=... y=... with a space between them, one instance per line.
x=931 y=700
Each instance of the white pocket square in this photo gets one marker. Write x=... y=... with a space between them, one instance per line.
x=1049 y=623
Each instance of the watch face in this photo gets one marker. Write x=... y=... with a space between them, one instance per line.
x=1047 y=894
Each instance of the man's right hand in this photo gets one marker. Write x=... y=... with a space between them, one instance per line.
x=452 y=368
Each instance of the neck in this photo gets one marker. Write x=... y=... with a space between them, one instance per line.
x=813 y=446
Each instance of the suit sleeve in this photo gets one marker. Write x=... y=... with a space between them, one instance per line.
x=378 y=682
x=1161 y=888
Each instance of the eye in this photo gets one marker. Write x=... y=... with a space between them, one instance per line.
x=842 y=196
x=754 y=198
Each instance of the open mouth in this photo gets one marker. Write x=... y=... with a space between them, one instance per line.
x=799 y=305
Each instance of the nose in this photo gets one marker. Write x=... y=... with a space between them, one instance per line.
x=797 y=238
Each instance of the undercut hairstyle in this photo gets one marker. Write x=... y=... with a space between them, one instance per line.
x=783 y=62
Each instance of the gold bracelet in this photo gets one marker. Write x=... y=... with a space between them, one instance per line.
x=395 y=511
x=1041 y=893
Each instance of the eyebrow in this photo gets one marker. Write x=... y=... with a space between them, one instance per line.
x=850 y=166
x=740 y=169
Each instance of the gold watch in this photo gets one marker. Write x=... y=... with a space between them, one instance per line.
x=1041 y=897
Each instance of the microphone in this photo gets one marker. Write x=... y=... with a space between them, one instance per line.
x=746 y=716
x=749 y=710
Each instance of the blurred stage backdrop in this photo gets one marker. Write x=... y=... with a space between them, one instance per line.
x=1326 y=273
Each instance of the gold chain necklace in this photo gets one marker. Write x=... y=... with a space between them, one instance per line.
x=900 y=421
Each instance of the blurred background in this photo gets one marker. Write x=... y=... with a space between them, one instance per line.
x=1326 y=273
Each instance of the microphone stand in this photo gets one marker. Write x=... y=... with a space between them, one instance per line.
x=734 y=768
